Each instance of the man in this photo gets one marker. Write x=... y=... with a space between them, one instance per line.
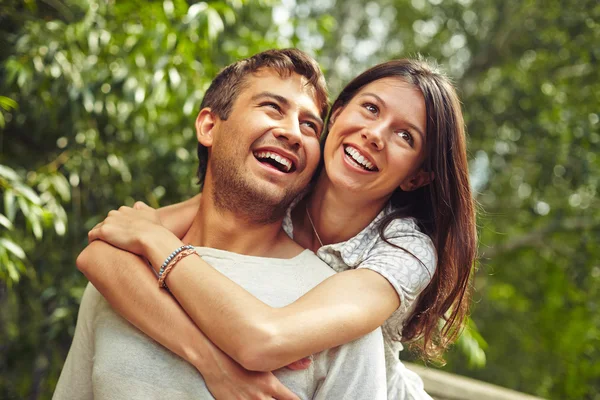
x=259 y=129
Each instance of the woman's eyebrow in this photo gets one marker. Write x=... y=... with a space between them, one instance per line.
x=410 y=125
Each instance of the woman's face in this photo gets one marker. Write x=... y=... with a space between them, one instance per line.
x=376 y=142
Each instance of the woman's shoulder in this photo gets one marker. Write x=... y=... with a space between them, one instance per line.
x=403 y=240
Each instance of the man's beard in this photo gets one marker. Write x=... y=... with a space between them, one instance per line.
x=233 y=193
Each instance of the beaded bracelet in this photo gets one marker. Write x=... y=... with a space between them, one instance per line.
x=182 y=254
x=171 y=256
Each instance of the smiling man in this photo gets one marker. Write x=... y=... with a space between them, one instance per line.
x=258 y=134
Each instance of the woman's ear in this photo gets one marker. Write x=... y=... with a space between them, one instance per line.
x=205 y=124
x=334 y=116
x=419 y=179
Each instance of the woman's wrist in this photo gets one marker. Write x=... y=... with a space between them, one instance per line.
x=158 y=245
x=209 y=362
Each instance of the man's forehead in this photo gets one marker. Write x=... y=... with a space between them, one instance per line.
x=286 y=83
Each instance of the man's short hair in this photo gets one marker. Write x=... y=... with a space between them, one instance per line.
x=228 y=84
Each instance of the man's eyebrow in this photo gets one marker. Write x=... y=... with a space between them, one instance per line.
x=285 y=102
x=273 y=96
x=413 y=126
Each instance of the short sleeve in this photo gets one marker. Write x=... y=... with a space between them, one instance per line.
x=408 y=263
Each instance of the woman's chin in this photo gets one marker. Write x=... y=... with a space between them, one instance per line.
x=347 y=184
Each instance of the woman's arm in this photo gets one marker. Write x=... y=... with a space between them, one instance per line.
x=342 y=308
x=137 y=298
x=339 y=310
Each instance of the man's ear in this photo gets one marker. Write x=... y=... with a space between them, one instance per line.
x=205 y=124
x=419 y=179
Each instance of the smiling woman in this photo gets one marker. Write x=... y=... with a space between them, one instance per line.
x=390 y=210
x=376 y=142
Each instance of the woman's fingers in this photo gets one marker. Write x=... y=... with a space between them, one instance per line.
x=140 y=205
x=95 y=233
x=280 y=392
x=300 y=364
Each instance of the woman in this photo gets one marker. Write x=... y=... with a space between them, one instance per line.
x=391 y=197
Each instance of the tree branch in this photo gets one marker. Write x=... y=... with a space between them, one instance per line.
x=536 y=237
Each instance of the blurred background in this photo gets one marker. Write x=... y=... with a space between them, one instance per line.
x=97 y=104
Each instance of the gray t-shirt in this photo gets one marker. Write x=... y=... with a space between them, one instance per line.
x=110 y=359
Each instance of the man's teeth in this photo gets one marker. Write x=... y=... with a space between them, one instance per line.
x=352 y=152
x=287 y=164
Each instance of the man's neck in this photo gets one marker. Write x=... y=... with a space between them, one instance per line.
x=225 y=230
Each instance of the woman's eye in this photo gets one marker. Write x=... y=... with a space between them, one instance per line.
x=406 y=136
x=372 y=108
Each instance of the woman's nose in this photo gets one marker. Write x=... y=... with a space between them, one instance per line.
x=373 y=135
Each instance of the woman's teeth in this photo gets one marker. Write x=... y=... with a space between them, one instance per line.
x=359 y=159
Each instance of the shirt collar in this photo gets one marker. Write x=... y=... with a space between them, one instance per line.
x=353 y=250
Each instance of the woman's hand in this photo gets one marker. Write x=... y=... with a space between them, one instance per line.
x=130 y=228
x=230 y=381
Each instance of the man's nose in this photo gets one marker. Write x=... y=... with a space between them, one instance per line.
x=291 y=132
x=374 y=135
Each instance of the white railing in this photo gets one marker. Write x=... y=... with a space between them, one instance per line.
x=445 y=386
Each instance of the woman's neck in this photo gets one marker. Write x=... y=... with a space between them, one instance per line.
x=329 y=215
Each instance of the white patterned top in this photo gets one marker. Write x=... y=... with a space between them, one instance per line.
x=409 y=269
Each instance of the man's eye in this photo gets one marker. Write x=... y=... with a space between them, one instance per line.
x=274 y=106
x=372 y=108
x=312 y=126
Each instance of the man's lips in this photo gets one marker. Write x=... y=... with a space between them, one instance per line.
x=277 y=158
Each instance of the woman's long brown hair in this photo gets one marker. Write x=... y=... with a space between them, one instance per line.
x=444 y=209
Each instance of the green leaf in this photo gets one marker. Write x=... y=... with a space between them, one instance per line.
x=36 y=225
x=60 y=227
x=7 y=103
x=62 y=186
x=9 y=173
x=12 y=271
x=28 y=193
x=215 y=23
x=12 y=247
x=24 y=206
x=6 y=222
x=10 y=208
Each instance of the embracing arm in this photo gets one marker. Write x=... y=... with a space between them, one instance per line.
x=127 y=283
x=340 y=309
x=130 y=296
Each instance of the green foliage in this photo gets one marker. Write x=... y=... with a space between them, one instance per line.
x=38 y=211
x=107 y=94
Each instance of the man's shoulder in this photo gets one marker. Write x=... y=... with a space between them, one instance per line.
x=311 y=260
x=294 y=276
x=90 y=300
x=306 y=259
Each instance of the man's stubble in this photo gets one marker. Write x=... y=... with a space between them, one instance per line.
x=234 y=192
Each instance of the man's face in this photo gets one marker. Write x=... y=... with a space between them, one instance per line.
x=265 y=153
